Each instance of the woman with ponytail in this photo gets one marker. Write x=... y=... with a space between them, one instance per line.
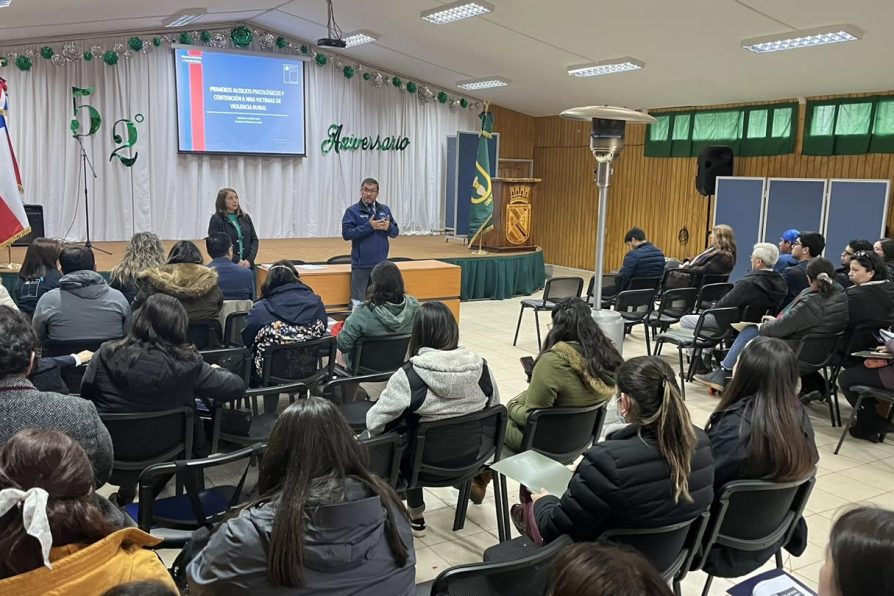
x=656 y=471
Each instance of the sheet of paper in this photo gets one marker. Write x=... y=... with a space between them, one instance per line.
x=310 y=267
x=535 y=471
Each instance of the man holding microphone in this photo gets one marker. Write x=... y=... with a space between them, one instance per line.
x=368 y=224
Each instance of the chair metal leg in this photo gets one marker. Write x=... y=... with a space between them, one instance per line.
x=850 y=422
x=707 y=587
x=682 y=374
x=677 y=591
x=779 y=559
x=518 y=326
x=828 y=399
x=502 y=507
x=462 y=505
x=881 y=437
x=646 y=333
x=537 y=324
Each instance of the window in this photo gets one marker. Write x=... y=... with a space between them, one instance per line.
x=850 y=126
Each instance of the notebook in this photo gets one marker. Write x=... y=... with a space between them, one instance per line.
x=536 y=471
x=775 y=582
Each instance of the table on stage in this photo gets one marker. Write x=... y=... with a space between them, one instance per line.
x=424 y=280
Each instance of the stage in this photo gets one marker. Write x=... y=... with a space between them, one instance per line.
x=490 y=276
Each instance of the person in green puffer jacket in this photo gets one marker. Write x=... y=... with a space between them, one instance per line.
x=387 y=310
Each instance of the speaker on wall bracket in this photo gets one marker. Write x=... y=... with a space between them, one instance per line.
x=713 y=161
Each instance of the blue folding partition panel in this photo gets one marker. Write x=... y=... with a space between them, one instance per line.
x=793 y=203
x=740 y=204
x=856 y=210
x=460 y=174
x=450 y=185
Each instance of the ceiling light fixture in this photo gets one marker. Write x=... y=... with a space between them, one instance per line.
x=184 y=17
x=457 y=11
x=606 y=67
x=804 y=38
x=361 y=37
x=482 y=83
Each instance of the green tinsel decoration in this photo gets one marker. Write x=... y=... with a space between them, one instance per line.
x=411 y=87
x=185 y=39
x=305 y=50
x=349 y=72
x=321 y=59
x=366 y=76
x=110 y=58
x=47 y=52
x=23 y=62
x=443 y=97
x=205 y=36
x=396 y=81
x=157 y=41
x=241 y=36
x=135 y=43
x=281 y=42
x=88 y=56
x=463 y=102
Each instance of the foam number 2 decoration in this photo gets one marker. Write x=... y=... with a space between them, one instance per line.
x=127 y=143
x=95 y=118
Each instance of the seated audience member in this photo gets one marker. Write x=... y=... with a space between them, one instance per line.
x=144 y=251
x=287 y=312
x=39 y=273
x=760 y=431
x=6 y=299
x=643 y=259
x=22 y=406
x=809 y=245
x=842 y=274
x=155 y=368
x=872 y=372
x=185 y=278
x=388 y=310
x=323 y=523
x=46 y=374
x=655 y=472
x=870 y=300
x=455 y=382
x=593 y=569
x=53 y=533
x=83 y=306
x=858 y=559
x=236 y=283
x=718 y=259
x=885 y=249
x=820 y=308
x=786 y=243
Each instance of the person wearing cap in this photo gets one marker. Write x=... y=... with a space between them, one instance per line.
x=786 y=259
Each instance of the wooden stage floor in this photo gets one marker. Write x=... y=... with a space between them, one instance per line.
x=307 y=249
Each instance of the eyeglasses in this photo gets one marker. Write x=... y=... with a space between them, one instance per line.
x=863 y=253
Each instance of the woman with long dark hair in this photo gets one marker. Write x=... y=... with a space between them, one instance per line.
x=230 y=219
x=39 y=273
x=720 y=256
x=388 y=310
x=870 y=300
x=858 y=559
x=324 y=523
x=760 y=431
x=53 y=533
x=884 y=248
x=144 y=251
x=656 y=471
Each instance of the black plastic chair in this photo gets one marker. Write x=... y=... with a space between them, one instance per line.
x=310 y=362
x=563 y=434
x=379 y=354
x=297 y=262
x=339 y=260
x=261 y=425
x=351 y=399
x=753 y=515
x=526 y=576
x=173 y=519
x=235 y=323
x=673 y=305
x=235 y=360
x=678 y=278
x=815 y=354
x=670 y=549
x=710 y=294
x=384 y=452
x=864 y=391
x=609 y=280
x=704 y=337
x=860 y=337
x=556 y=289
x=453 y=451
x=72 y=375
x=636 y=283
x=400 y=259
x=714 y=278
x=205 y=335
x=634 y=306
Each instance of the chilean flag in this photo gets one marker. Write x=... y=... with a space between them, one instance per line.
x=13 y=221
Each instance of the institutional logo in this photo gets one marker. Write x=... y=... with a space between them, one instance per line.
x=518 y=215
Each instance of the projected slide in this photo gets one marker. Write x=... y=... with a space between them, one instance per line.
x=231 y=102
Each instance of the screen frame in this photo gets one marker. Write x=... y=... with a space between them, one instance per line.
x=301 y=58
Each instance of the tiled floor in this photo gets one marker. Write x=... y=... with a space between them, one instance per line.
x=862 y=473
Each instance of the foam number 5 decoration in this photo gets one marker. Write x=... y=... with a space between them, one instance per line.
x=127 y=143
x=95 y=118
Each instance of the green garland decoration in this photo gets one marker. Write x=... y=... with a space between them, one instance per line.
x=442 y=97
x=88 y=56
x=321 y=59
x=463 y=102
x=23 y=63
x=282 y=42
x=3 y=61
x=135 y=43
x=110 y=58
x=157 y=41
x=205 y=36
x=411 y=87
x=366 y=76
x=349 y=72
x=305 y=50
x=47 y=52
x=185 y=38
x=241 y=36
x=396 y=81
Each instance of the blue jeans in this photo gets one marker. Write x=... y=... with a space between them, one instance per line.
x=745 y=336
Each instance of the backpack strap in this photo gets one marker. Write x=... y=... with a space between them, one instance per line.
x=418 y=387
x=484 y=383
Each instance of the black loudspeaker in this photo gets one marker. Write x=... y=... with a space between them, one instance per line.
x=35 y=220
x=713 y=161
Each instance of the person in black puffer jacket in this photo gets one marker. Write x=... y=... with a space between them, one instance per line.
x=870 y=300
x=644 y=259
x=885 y=249
x=655 y=472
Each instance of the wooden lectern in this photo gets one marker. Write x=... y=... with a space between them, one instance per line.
x=513 y=214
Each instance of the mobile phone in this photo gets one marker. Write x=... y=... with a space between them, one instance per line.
x=527 y=364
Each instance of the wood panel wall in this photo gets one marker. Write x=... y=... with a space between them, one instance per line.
x=656 y=194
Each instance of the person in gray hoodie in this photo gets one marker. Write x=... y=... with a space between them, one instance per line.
x=83 y=306
x=387 y=310
x=457 y=382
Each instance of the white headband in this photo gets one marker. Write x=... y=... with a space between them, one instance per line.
x=34 y=515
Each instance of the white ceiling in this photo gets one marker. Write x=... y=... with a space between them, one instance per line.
x=691 y=47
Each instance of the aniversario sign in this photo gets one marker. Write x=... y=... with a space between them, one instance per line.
x=338 y=142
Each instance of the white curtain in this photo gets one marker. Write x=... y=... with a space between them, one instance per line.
x=173 y=194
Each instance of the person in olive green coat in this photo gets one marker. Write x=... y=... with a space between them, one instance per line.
x=387 y=310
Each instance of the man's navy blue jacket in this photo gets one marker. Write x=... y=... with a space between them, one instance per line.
x=236 y=283
x=369 y=247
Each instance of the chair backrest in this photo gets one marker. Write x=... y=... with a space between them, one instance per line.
x=233 y=327
x=714 y=278
x=384 y=353
x=141 y=439
x=384 y=453
x=678 y=278
x=344 y=390
x=400 y=259
x=723 y=319
x=677 y=302
x=634 y=305
x=710 y=294
x=297 y=262
x=861 y=337
x=453 y=450
x=307 y=362
x=235 y=360
x=526 y=576
x=61 y=348
x=816 y=350
x=752 y=515
x=644 y=283
x=562 y=287
x=668 y=548
x=608 y=281
x=339 y=260
x=562 y=433
x=206 y=335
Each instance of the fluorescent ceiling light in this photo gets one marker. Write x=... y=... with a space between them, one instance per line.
x=804 y=38
x=357 y=38
x=5 y=3
x=482 y=83
x=184 y=17
x=457 y=11
x=606 y=67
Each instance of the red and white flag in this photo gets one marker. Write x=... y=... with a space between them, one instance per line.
x=13 y=221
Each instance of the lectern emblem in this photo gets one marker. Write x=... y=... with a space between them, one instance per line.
x=518 y=219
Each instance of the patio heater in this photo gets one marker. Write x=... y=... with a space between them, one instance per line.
x=606 y=143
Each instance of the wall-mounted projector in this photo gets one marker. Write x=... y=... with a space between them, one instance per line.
x=328 y=42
